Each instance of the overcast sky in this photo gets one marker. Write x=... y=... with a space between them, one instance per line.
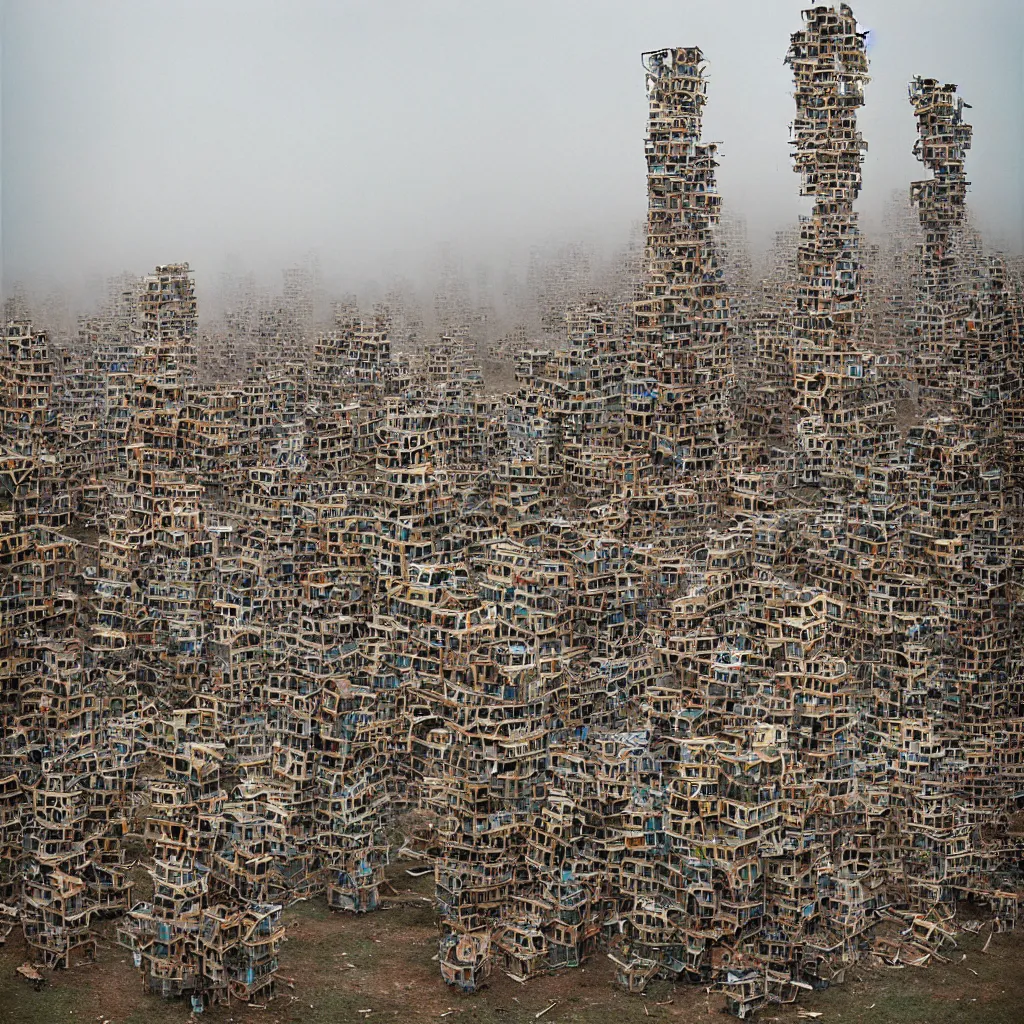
x=137 y=132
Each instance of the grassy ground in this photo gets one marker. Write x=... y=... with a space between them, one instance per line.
x=342 y=966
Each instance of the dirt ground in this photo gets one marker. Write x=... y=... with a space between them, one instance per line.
x=378 y=967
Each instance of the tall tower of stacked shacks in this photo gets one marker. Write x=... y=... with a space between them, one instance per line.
x=682 y=324
x=831 y=368
x=167 y=322
x=965 y=331
x=28 y=426
x=943 y=140
x=48 y=822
